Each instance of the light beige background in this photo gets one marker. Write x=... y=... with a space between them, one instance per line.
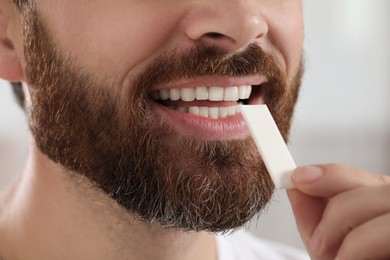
x=343 y=114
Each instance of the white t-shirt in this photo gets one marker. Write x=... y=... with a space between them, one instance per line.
x=244 y=246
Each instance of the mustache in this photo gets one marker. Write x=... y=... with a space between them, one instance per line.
x=198 y=61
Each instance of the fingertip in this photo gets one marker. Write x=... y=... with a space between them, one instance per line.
x=307 y=174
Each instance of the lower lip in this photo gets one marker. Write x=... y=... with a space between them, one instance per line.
x=203 y=128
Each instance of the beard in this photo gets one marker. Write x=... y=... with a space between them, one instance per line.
x=94 y=130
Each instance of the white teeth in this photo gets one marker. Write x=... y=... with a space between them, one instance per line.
x=193 y=110
x=164 y=94
x=248 y=91
x=174 y=94
x=204 y=111
x=202 y=93
x=215 y=93
x=214 y=112
x=222 y=112
x=230 y=94
x=231 y=111
x=210 y=112
x=243 y=91
x=182 y=109
x=233 y=93
x=188 y=94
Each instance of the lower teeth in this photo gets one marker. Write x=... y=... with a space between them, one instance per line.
x=209 y=112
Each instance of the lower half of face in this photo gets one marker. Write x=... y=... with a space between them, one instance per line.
x=141 y=148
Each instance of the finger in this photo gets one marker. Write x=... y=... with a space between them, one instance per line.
x=331 y=179
x=308 y=212
x=347 y=211
x=368 y=241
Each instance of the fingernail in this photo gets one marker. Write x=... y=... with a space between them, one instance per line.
x=316 y=241
x=307 y=174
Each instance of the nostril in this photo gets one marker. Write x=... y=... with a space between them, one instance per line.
x=214 y=35
x=217 y=39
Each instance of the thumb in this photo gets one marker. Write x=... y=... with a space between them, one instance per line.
x=331 y=179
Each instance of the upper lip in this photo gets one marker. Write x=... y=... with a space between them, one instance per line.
x=214 y=81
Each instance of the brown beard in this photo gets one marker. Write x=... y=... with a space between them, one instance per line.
x=150 y=169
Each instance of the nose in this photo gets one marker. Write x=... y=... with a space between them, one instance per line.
x=228 y=24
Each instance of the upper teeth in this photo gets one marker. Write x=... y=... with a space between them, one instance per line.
x=233 y=93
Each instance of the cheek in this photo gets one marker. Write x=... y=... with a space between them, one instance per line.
x=109 y=40
x=286 y=33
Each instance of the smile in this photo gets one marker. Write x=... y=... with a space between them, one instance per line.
x=211 y=102
x=208 y=109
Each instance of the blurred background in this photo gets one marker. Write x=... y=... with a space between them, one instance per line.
x=343 y=114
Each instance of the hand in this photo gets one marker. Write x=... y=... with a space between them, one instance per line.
x=342 y=213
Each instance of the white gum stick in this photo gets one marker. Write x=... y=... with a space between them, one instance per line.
x=270 y=143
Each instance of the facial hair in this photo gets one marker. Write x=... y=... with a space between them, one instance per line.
x=158 y=174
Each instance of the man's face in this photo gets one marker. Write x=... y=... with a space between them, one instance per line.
x=99 y=73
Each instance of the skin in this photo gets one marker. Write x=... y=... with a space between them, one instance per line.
x=341 y=212
x=32 y=210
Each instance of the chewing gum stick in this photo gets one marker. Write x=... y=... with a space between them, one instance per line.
x=270 y=144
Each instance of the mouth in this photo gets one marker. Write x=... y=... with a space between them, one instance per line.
x=208 y=111
x=212 y=102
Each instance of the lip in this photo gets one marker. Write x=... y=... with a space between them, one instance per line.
x=214 y=81
x=203 y=128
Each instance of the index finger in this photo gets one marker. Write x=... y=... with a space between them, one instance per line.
x=330 y=179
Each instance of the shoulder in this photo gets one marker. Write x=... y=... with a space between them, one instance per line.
x=243 y=246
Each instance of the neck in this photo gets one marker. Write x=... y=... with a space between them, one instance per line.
x=53 y=216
